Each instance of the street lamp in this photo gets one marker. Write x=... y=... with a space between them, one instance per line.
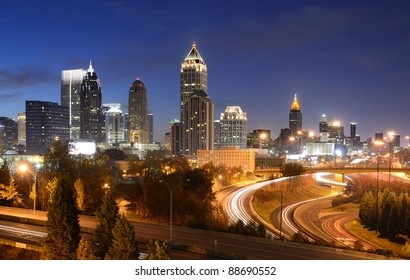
x=377 y=144
x=24 y=168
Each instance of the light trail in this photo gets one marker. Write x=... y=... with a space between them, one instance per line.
x=20 y=231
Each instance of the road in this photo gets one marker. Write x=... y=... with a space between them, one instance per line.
x=221 y=245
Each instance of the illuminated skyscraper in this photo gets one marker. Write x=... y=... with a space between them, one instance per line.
x=233 y=127
x=91 y=117
x=114 y=124
x=196 y=109
x=138 y=113
x=71 y=81
x=21 y=122
x=295 y=117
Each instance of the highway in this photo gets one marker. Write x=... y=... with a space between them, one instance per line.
x=217 y=245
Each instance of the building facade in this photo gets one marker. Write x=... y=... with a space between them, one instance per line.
x=114 y=124
x=196 y=109
x=228 y=157
x=92 y=126
x=45 y=123
x=71 y=81
x=21 y=123
x=138 y=113
x=9 y=130
x=233 y=127
x=295 y=117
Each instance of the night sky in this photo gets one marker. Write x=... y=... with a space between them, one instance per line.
x=349 y=60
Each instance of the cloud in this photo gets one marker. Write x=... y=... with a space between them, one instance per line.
x=9 y=97
x=25 y=76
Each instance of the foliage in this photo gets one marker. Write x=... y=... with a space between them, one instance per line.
x=292 y=169
x=85 y=249
x=250 y=229
x=106 y=220
x=12 y=253
x=9 y=192
x=5 y=176
x=124 y=244
x=62 y=224
x=158 y=250
x=58 y=163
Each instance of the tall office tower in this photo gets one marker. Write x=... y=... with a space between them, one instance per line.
x=196 y=109
x=323 y=125
x=91 y=117
x=21 y=123
x=198 y=125
x=396 y=142
x=71 y=81
x=353 y=126
x=176 y=134
x=138 y=113
x=10 y=133
x=45 y=122
x=217 y=134
x=295 y=117
x=150 y=128
x=114 y=124
x=233 y=126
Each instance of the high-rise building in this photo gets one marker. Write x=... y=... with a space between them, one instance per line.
x=295 y=117
x=114 y=124
x=71 y=81
x=217 y=134
x=151 y=128
x=138 y=113
x=198 y=125
x=21 y=122
x=176 y=134
x=259 y=139
x=196 y=109
x=45 y=122
x=379 y=137
x=233 y=127
x=92 y=126
x=10 y=132
x=323 y=125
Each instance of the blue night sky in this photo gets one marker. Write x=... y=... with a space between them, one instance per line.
x=347 y=59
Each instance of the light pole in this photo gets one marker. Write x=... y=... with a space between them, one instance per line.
x=24 y=168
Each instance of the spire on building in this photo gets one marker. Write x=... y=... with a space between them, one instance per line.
x=90 y=68
x=295 y=105
x=193 y=53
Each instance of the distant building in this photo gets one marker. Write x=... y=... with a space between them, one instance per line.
x=378 y=136
x=21 y=122
x=71 y=81
x=114 y=124
x=45 y=122
x=92 y=126
x=295 y=117
x=228 y=157
x=176 y=135
x=217 y=134
x=259 y=139
x=233 y=127
x=138 y=113
x=151 y=128
x=323 y=125
x=320 y=149
x=9 y=133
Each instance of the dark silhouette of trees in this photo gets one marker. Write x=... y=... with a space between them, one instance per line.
x=86 y=249
x=158 y=250
x=124 y=244
x=62 y=224
x=106 y=220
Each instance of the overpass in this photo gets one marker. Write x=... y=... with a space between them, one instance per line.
x=339 y=169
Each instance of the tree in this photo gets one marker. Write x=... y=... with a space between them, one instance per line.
x=367 y=211
x=106 y=220
x=62 y=224
x=85 y=249
x=158 y=250
x=5 y=174
x=394 y=222
x=407 y=221
x=292 y=169
x=9 y=192
x=124 y=245
x=387 y=204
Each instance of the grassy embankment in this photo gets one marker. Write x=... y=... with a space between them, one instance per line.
x=294 y=190
x=8 y=252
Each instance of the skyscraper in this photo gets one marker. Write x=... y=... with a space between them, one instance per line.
x=114 y=124
x=10 y=132
x=45 y=122
x=196 y=109
x=295 y=117
x=138 y=113
x=21 y=122
x=91 y=117
x=233 y=127
x=71 y=81
x=151 y=128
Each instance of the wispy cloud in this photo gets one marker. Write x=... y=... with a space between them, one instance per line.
x=25 y=76
x=9 y=97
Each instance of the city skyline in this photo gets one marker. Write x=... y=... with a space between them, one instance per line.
x=345 y=61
